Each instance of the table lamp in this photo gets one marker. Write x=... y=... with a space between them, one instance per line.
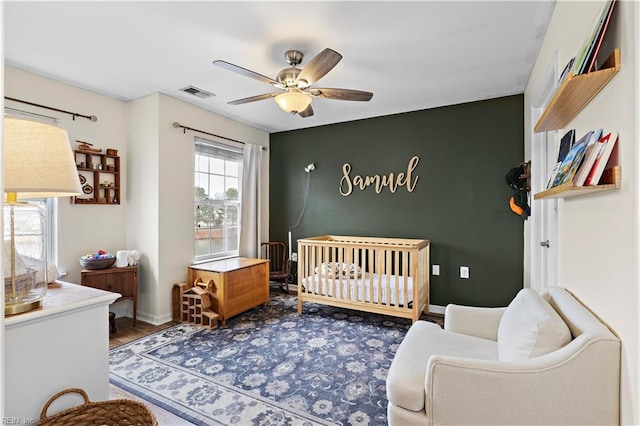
x=38 y=163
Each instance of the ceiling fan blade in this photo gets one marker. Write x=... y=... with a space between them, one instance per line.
x=253 y=98
x=341 y=94
x=319 y=66
x=307 y=112
x=243 y=71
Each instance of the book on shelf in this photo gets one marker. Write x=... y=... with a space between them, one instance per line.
x=566 y=142
x=572 y=161
x=590 y=155
x=566 y=70
x=590 y=63
x=603 y=159
x=588 y=45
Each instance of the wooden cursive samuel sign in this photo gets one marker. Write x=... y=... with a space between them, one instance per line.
x=347 y=183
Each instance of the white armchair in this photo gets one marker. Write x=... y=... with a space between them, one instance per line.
x=542 y=360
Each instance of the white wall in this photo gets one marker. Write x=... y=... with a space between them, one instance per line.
x=598 y=234
x=160 y=210
x=157 y=162
x=142 y=199
x=176 y=162
x=83 y=228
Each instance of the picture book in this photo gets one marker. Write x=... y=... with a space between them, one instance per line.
x=566 y=70
x=566 y=142
x=598 y=168
x=590 y=40
x=572 y=161
x=590 y=155
x=590 y=63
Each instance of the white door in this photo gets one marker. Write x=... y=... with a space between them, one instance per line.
x=544 y=213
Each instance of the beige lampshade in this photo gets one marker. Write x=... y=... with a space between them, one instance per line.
x=38 y=160
x=293 y=100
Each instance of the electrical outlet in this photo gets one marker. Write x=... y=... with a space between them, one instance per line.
x=464 y=272
x=435 y=269
x=294 y=257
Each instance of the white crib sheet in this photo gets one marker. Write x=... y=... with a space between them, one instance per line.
x=362 y=287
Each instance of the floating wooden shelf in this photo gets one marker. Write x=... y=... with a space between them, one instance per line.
x=94 y=167
x=575 y=92
x=611 y=179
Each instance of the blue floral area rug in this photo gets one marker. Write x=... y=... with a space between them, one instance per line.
x=268 y=366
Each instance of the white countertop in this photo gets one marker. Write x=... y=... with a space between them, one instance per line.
x=61 y=299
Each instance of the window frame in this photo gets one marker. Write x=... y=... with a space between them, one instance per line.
x=50 y=205
x=229 y=154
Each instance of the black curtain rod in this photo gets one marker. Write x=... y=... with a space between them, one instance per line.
x=74 y=114
x=185 y=128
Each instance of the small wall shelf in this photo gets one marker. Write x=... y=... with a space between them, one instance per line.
x=95 y=169
x=575 y=92
x=611 y=179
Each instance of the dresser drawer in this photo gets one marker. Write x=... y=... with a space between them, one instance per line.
x=117 y=280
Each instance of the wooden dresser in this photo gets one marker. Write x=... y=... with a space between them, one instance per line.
x=238 y=284
x=118 y=280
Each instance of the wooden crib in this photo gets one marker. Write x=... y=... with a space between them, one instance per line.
x=387 y=276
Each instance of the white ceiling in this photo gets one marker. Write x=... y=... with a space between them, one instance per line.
x=411 y=55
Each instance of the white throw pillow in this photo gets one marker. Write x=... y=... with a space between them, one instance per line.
x=530 y=327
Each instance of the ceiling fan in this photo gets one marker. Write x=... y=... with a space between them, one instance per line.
x=296 y=83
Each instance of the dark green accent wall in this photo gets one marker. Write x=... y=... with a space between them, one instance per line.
x=460 y=202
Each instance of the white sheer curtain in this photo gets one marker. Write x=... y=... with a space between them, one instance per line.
x=251 y=201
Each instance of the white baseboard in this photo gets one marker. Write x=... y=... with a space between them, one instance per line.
x=124 y=308
x=155 y=320
x=436 y=309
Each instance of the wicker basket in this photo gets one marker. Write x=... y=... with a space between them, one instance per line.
x=114 y=412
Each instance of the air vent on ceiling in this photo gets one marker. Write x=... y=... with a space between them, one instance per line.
x=202 y=94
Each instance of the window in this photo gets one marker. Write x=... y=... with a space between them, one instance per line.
x=50 y=207
x=48 y=204
x=218 y=171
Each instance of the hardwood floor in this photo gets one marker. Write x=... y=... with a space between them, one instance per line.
x=125 y=332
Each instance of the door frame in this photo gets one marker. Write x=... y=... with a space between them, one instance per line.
x=544 y=213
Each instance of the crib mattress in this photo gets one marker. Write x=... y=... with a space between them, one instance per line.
x=360 y=288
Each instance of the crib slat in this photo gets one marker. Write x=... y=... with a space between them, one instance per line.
x=405 y=278
x=395 y=269
x=370 y=276
x=388 y=274
x=357 y=283
x=380 y=270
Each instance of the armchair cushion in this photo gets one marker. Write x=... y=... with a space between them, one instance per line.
x=530 y=327
x=406 y=378
x=473 y=321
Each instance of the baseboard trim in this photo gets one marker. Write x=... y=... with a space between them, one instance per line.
x=436 y=309
x=155 y=320
x=124 y=308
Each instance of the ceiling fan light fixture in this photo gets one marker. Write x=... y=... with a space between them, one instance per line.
x=293 y=100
